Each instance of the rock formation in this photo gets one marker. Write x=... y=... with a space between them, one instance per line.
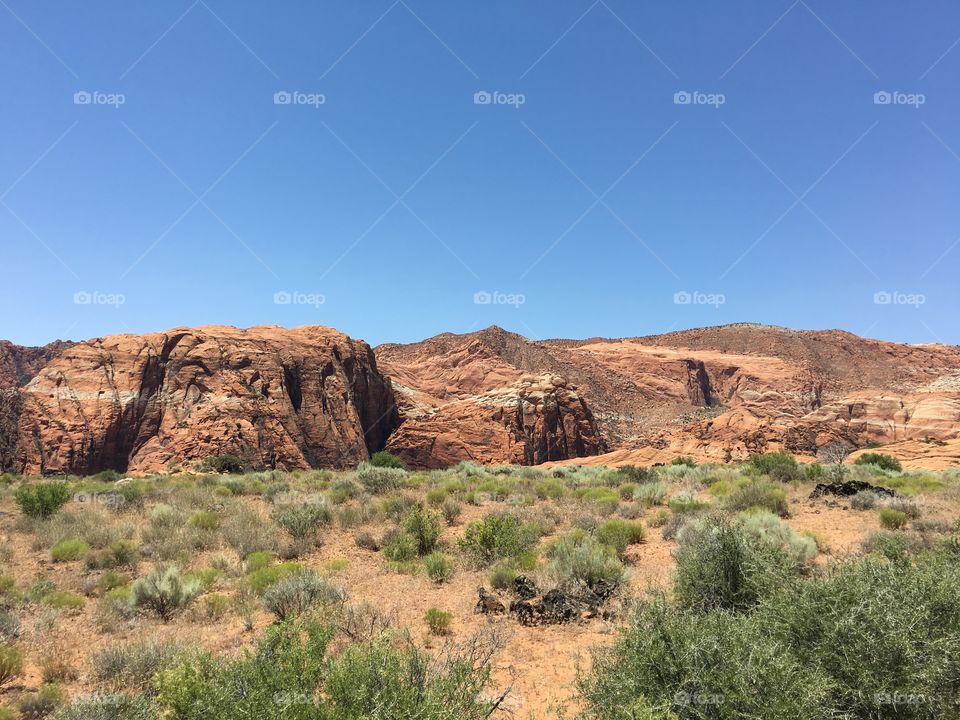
x=276 y=398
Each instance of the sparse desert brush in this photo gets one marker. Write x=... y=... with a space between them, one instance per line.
x=302 y=521
x=686 y=502
x=61 y=600
x=396 y=507
x=451 y=510
x=261 y=579
x=502 y=575
x=247 y=531
x=57 y=668
x=367 y=541
x=768 y=528
x=11 y=664
x=908 y=507
x=778 y=466
x=205 y=520
x=438 y=621
x=121 y=553
x=497 y=536
x=68 y=551
x=41 y=500
x=108 y=707
x=42 y=703
x=164 y=592
x=864 y=500
x=650 y=493
x=298 y=593
x=131 y=666
x=398 y=546
x=759 y=494
x=891 y=519
x=439 y=567
x=378 y=480
x=659 y=518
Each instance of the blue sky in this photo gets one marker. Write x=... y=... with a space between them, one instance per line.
x=389 y=200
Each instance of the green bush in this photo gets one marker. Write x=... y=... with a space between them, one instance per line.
x=108 y=707
x=298 y=593
x=398 y=546
x=205 y=520
x=385 y=459
x=292 y=676
x=686 y=502
x=502 y=575
x=262 y=578
x=779 y=466
x=229 y=464
x=41 y=500
x=11 y=664
x=766 y=527
x=131 y=666
x=68 y=551
x=259 y=560
x=884 y=462
x=578 y=559
x=650 y=494
x=42 y=703
x=121 y=553
x=758 y=494
x=495 y=537
x=439 y=567
x=438 y=621
x=378 y=480
x=164 y=592
x=891 y=519
x=619 y=534
x=424 y=527
x=683 y=460
x=61 y=600
x=302 y=521
x=451 y=511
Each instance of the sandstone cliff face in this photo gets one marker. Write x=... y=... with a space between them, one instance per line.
x=18 y=364
x=279 y=398
x=530 y=421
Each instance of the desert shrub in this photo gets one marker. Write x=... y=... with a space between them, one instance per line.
x=205 y=520
x=42 y=703
x=895 y=546
x=367 y=541
x=229 y=464
x=438 y=621
x=108 y=707
x=502 y=575
x=439 y=567
x=766 y=527
x=549 y=489
x=298 y=593
x=11 y=664
x=216 y=606
x=68 y=551
x=111 y=580
x=163 y=591
x=204 y=578
x=451 y=511
x=758 y=494
x=905 y=505
x=684 y=460
x=41 y=500
x=497 y=536
x=9 y=626
x=93 y=527
x=57 y=668
x=396 y=507
x=618 y=534
x=891 y=519
x=604 y=500
x=864 y=500
x=719 y=566
x=259 y=580
x=61 y=600
x=246 y=531
x=650 y=494
x=779 y=466
x=884 y=462
x=302 y=521
x=378 y=678
x=343 y=490
x=386 y=459
x=121 y=553
x=378 y=480
x=577 y=559
x=685 y=502
x=659 y=518
x=435 y=496
x=424 y=527
x=399 y=547
x=131 y=666
x=637 y=475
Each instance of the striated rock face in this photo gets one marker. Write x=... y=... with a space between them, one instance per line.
x=530 y=421
x=717 y=394
x=18 y=364
x=277 y=398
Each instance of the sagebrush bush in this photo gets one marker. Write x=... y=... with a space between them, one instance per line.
x=121 y=553
x=759 y=494
x=686 y=502
x=108 y=707
x=864 y=500
x=367 y=541
x=577 y=559
x=880 y=460
x=246 y=531
x=438 y=621
x=42 y=703
x=302 y=521
x=11 y=664
x=766 y=527
x=378 y=480
x=619 y=534
x=891 y=519
x=41 y=500
x=451 y=510
x=131 y=666
x=68 y=551
x=650 y=493
x=439 y=567
x=908 y=507
x=262 y=578
x=424 y=527
x=497 y=536
x=300 y=592
x=164 y=592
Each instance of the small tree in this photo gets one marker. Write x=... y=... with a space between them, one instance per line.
x=833 y=454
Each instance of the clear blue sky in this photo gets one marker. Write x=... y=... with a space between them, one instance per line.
x=396 y=200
